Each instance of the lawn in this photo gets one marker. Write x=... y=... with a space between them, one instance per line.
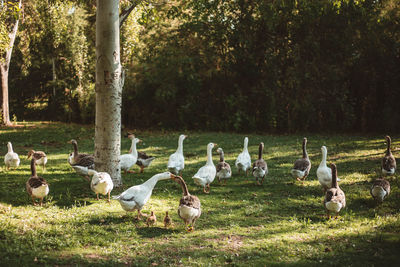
x=280 y=223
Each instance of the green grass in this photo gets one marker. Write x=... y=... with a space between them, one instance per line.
x=279 y=223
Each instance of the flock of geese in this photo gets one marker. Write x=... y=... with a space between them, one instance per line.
x=189 y=210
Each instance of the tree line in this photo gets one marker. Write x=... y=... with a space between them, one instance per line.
x=246 y=65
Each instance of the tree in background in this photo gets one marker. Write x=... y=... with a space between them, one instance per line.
x=10 y=14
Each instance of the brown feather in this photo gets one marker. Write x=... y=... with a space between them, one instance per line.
x=382 y=183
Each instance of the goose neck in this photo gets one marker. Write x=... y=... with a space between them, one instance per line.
x=305 y=154
x=33 y=167
x=334 y=177
x=133 y=148
x=75 y=145
x=9 y=147
x=151 y=183
x=209 y=156
x=260 y=151
x=324 y=154
x=221 y=156
x=389 y=141
x=180 y=146
x=185 y=190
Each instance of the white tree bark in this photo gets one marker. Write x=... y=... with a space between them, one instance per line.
x=109 y=82
x=4 y=67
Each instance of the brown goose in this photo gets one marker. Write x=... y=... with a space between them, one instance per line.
x=143 y=160
x=380 y=190
x=40 y=156
x=388 y=161
x=302 y=166
x=224 y=171
x=80 y=162
x=260 y=169
x=335 y=199
x=36 y=186
x=189 y=206
x=167 y=220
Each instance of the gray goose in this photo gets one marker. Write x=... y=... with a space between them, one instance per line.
x=302 y=166
x=224 y=171
x=335 y=199
x=143 y=160
x=380 y=190
x=36 y=186
x=189 y=209
x=80 y=159
x=388 y=161
x=40 y=156
x=80 y=162
x=260 y=169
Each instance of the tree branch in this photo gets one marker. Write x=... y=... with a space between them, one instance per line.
x=125 y=13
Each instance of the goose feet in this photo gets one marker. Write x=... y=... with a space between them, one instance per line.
x=206 y=191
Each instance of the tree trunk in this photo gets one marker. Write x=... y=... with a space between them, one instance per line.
x=109 y=82
x=4 y=67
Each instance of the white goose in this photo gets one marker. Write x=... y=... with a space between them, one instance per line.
x=135 y=197
x=324 y=173
x=176 y=162
x=101 y=183
x=206 y=174
x=128 y=160
x=11 y=159
x=243 y=161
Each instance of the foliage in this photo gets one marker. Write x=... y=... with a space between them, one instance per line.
x=278 y=224
x=268 y=65
x=246 y=65
x=55 y=33
x=9 y=11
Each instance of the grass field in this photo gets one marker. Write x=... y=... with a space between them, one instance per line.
x=280 y=223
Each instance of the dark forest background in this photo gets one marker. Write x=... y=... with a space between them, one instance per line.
x=270 y=66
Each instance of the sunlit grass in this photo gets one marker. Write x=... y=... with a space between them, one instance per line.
x=280 y=223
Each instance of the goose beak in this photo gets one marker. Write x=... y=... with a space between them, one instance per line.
x=172 y=176
x=215 y=145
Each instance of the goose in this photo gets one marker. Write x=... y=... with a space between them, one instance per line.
x=302 y=166
x=101 y=183
x=36 y=186
x=11 y=159
x=167 y=220
x=135 y=197
x=128 y=160
x=243 y=161
x=80 y=162
x=260 y=168
x=189 y=209
x=324 y=173
x=176 y=162
x=40 y=156
x=224 y=171
x=206 y=174
x=335 y=199
x=380 y=189
x=151 y=220
x=388 y=161
x=143 y=160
